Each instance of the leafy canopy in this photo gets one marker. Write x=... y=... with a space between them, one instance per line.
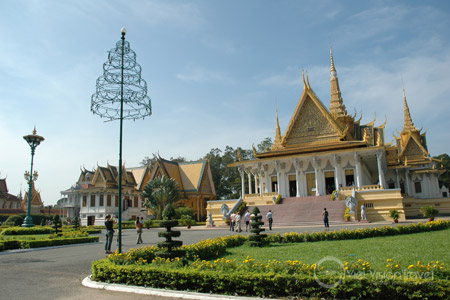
x=159 y=192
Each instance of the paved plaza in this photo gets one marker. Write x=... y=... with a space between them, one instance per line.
x=57 y=273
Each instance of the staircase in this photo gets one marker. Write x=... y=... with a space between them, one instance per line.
x=303 y=211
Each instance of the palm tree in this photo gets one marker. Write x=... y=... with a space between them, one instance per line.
x=159 y=192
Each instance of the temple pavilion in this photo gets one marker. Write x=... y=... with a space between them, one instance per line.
x=327 y=151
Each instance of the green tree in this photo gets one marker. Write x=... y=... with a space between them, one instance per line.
x=444 y=179
x=147 y=161
x=56 y=223
x=266 y=144
x=159 y=192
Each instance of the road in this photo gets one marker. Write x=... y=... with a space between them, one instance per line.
x=56 y=273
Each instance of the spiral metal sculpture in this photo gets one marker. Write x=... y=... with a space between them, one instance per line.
x=121 y=85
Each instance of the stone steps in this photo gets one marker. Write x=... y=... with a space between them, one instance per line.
x=304 y=210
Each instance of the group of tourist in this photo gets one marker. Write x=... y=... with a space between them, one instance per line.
x=235 y=221
x=109 y=224
x=235 y=225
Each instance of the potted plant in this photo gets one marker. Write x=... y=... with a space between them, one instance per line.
x=334 y=195
x=394 y=214
x=186 y=220
x=430 y=212
x=148 y=223
x=347 y=214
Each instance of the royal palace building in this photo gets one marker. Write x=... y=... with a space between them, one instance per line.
x=95 y=194
x=326 y=151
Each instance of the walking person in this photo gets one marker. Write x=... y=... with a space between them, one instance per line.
x=247 y=220
x=237 y=219
x=109 y=233
x=232 y=221
x=139 y=226
x=270 y=219
x=325 y=219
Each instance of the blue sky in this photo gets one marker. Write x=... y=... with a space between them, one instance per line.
x=216 y=70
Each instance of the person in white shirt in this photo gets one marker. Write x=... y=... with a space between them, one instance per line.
x=247 y=220
x=232 y=221
x=270 y=219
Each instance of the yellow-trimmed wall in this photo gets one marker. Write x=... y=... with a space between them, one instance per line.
x=413 y=205
x=377 y=203
x=258 y=200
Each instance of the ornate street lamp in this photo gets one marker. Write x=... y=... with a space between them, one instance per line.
x=121 y=84
x=33 y=140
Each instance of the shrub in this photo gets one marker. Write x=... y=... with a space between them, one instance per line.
x=186 y=220
x=394 y=214
x=15 y=220
x=256 y=239
x=347 y=214
x=26 y=230
x=183 y=211
x=429 y=212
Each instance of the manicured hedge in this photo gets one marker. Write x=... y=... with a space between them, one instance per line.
x=25 y=244
x=140 y=267
x=268 y=284
x=348 y=234
x=27 y=230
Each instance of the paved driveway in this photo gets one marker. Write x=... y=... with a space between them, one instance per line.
x=56 y=273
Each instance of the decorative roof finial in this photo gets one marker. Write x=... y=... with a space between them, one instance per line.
x=34 y=130
x=307 y=80
x=408 y=124
x=333 y=69
x=304 y=82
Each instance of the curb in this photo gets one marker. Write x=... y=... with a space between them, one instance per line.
x=87 y=282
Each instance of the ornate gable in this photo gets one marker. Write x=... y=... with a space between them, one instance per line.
x=310 y=123
x=413 y=149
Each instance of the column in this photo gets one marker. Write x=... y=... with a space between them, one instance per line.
x=260 y=179
x=316 y=164
x=380 y=169
x=241 y=171
x=266 y=178
x=396 y=178
x=407 y=181
x=249 y=181
x=358 y=170
x=337 y=179
x=297 y=176
x=256 y=183
x=277 y=169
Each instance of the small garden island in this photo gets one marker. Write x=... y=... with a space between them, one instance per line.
x=404 y=262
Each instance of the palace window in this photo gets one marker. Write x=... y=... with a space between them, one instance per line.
x=101 y=201
x=84 y=201
x=92 y=200
x=136 y=201
x=418 y=187
x=117 y=200
x=108 y=200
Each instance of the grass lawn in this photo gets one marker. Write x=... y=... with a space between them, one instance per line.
x=408 y=249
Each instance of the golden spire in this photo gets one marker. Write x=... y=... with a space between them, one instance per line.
x=277 y=142
x=34 y=130
x=408 y=125
x=333 y=69
x=337 y=107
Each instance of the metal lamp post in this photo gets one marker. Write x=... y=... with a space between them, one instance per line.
x=121 y=84
x=33 y=140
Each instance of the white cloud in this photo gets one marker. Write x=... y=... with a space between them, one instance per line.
x=223 y=45
x=180 y=15
x=202 y=75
